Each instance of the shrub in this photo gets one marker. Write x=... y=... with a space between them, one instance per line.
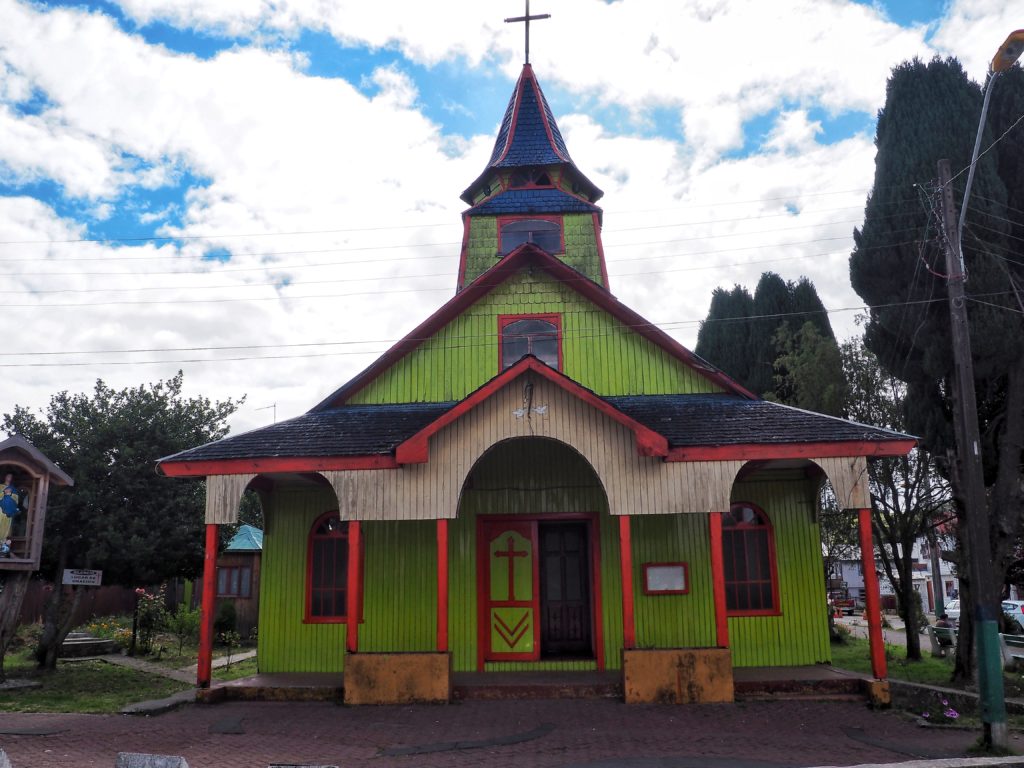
x=184 y=625
x=226 y=619
x=152 y=616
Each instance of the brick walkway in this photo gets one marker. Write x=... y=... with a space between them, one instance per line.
x=559 y=733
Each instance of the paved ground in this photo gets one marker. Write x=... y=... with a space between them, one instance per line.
x=562 y=734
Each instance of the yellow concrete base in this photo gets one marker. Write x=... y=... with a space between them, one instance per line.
x=878 y=692
x=398 y=678
x=677 y=676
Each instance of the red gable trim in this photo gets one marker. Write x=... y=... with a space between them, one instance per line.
x=267 y=465
x=790 y=450
x=524 y=256
x=415 y=450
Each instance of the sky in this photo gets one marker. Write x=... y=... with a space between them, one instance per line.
x=265 y=195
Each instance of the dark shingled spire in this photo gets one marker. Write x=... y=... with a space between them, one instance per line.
x=529 y=136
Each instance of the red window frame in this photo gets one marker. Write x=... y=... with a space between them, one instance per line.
x=654 y=592
x=506 y=320
x=341 y=533
x=244 y=581
x=503 y=220
x=747 y=532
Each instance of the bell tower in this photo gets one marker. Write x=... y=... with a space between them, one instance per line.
x=531 y=192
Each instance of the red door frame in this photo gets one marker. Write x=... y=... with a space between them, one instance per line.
x=483 y=576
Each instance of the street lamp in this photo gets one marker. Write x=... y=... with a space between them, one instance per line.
x=1005 y=58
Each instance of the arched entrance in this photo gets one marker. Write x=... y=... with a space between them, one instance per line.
x=536 y=506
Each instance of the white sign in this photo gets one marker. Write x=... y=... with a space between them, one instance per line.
x=80 y=577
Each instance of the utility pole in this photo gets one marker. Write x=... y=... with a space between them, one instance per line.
x=979 y=550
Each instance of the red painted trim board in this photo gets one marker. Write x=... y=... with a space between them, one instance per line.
x=415 y=450
x=204 y=667
x=872 y=601
x=274 y=464
x=600 y=251
x=464 y=253
x=626 y=566
x=353 y=588
x=718 y=579
x=752 y=451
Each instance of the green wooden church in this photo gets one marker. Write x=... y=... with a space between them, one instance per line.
x=538 y=479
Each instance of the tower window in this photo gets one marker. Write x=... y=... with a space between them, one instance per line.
x=545 y=234
x=536 y=335
x=529 y=177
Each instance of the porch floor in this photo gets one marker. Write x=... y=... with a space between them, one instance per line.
x=813 y=681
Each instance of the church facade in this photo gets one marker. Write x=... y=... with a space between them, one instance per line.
x=537 y=478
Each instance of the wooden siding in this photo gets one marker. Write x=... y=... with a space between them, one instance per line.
x=849 y=478
x=598 y=351
x=400 y=587
x=581 y=251
x=533 y=477
x=286 y=643
x=223 y=495
x=674 y=621
x=635 y=485
x=799 y=634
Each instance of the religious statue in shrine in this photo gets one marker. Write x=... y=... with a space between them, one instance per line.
x=13 y=503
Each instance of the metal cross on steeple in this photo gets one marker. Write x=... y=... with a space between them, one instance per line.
x=527 y=18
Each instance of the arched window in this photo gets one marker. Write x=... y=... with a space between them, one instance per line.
x=541 y=232
x=327 y=570
x=536 y=336
x=748 y=552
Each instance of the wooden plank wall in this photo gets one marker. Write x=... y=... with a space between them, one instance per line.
x=635 y=485
x=799 y=634
x=598 y=351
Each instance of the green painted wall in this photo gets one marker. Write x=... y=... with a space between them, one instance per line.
x=799 y=635
x=286 y=643
x=597 y=350
x=673 y=621
x=581 y=241
x=537 y=476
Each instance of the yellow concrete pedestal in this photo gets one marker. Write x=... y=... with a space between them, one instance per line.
x=678 y=676
x=398 y=678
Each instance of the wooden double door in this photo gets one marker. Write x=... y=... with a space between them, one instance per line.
x=537 y=584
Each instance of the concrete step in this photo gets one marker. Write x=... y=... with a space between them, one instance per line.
x=76 y=647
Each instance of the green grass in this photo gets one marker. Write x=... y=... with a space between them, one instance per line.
x=92 y=687
x=855 y=655
x=244 y=668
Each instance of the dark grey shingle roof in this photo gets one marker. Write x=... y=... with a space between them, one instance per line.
x=352 y=430
x=692 y=420
x=532 y=201
x=685 y=420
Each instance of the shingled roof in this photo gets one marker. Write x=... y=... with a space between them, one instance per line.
x=529 y=136
x=519 y=201
x=685 y=420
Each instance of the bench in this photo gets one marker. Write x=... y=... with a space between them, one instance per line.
x=1012 y=647
x=943 y=639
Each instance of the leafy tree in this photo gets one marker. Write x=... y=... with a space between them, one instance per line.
x=908 y=497
x=746 y=336
x=931 y=112
x=809 y=370
x=121 y=516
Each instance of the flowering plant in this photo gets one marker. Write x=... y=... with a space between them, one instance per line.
x=940 y=711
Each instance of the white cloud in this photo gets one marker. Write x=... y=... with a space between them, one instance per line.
x=793 y=132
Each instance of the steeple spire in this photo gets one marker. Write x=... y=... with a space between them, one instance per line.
x=527 y=19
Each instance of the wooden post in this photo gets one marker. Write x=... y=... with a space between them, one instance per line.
x=353 y=589
x=872 y=602
x=626 y=564
x=442 y=585
x=718 y=580
x=204 y=666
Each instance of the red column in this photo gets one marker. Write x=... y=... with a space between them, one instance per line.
x=205 y=662
x=872 y=601
x=442 y=585
x=354 y=589
x=718 y=580
x=626 y=564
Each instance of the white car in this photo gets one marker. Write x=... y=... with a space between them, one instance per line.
x=953 y=611
x=1014 y=610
